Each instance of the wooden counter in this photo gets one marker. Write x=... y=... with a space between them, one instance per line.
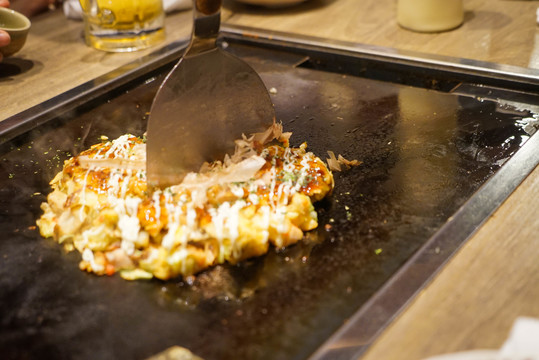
x=55 y=59
x=494 y=277
x=500 y=31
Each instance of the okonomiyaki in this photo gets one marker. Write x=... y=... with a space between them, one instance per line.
x=231 y=210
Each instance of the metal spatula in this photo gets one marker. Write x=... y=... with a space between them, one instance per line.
x=206 y=102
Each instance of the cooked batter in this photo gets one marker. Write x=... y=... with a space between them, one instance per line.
x=228 y=212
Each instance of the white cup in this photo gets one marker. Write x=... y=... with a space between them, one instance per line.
x=430 y=15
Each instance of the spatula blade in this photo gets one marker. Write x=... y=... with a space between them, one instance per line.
x=207 y=101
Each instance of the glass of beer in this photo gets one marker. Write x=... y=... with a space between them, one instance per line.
x=123 y=25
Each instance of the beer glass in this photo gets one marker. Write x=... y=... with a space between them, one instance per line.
x=123 y=25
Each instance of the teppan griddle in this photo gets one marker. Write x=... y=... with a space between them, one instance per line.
x=443 y=142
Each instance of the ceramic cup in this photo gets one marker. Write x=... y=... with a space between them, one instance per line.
x=430 y=15
x=17 y=26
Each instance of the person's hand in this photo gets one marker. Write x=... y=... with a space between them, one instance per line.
x=4 y=36
x=4 y=40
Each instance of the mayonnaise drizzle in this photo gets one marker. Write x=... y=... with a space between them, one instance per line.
x=156 y=199
x=88 y=256
x=120 y=147
x=83 y=196
x=280 y=182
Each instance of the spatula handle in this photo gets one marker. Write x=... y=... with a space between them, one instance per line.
x=206 y=23
x=208 y=7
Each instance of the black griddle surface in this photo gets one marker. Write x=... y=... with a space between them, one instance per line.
x=424 y=153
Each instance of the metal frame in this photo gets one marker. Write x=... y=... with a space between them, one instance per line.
x=41 y=113
x=497 y=74
x=352 y=339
